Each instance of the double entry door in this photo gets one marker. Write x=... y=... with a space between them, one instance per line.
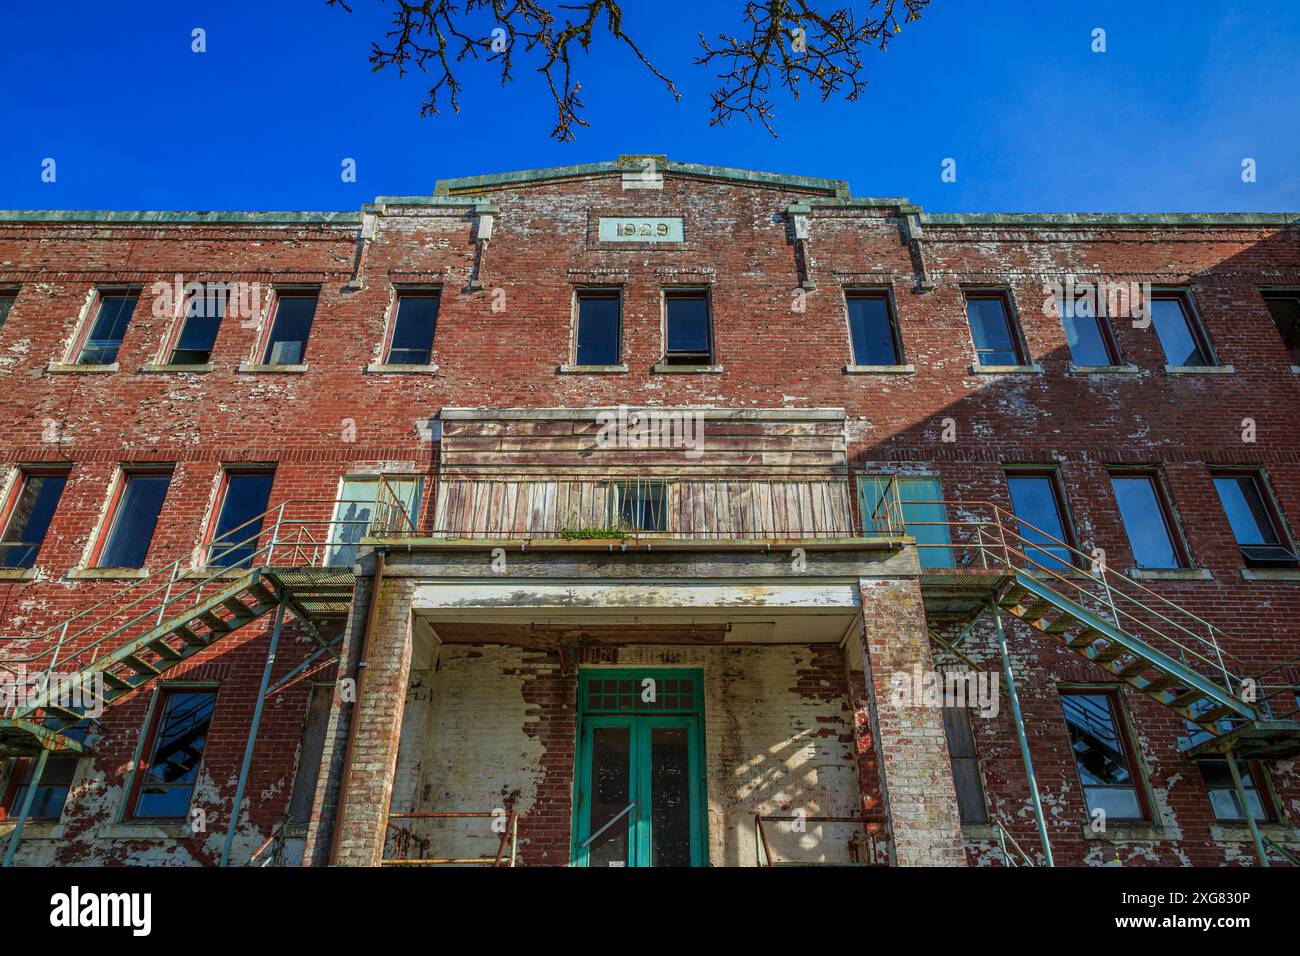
x=639 y=787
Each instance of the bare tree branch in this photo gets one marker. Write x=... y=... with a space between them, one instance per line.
x=794 y=39
x=435 y=36
x=802 y=44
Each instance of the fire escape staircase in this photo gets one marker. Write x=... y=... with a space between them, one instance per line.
x=140 y=633
x=1132 y=633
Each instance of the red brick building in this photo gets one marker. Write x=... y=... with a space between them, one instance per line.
x=653 y=512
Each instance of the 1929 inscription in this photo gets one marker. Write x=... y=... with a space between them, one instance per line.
x=640 y=229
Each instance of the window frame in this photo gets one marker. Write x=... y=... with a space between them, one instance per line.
x=885 y=293
x=604 y=291
x=262 y=349
x=390 y=331
x=13 y=494
x=1109 y=341
x=91 y=315
x=1057 y=484
x=974 y=757
x=1120 y=717
x=1260 y=784
x=686 y=291
x=1155 y=474
x=1005 y=296
x=219 y=504
x=147 y=741
x=8 y=292
x=1271 y=506
x=9 y=804
x=1195 y=326
x=167 y=356
x=107 y=524
x=1267 y=294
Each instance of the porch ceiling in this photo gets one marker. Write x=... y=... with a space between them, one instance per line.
x=811 y=612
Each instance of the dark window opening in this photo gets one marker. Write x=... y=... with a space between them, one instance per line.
x=599 y=327
x=7 y=299
x=639 y=505
x=688 y=329
x=239 y=520
x=1103 y=754
x=173 y=751
x=1180 y=335
x=32 y=509
x=133 y=519
x=1039 y=507
x=56 y=781
x=1285 y=309
x=971 y=804
x=1256 y=525
x=872 y=329
x=992 y=330
x=203 y=315
x=112 y=313
x=1088 y=334
x=287 y=344
x=1148 y=520
x=413 y=329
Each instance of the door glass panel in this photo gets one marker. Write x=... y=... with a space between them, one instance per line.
x=611 y=778
x=357 y=509
x=670 y=796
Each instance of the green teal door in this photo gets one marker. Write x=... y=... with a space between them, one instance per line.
x=639 y=779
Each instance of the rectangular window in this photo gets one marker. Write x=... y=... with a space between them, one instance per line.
x=203 y=315
x=112 y=312
x=391 y=505
x=27 y=518
x=992 y=329
x=688 y=331
x=7 y=299
x=414 y=323
x=133 y=517
x=1179 y=332
x=872 y=329
x=1223 y=795
x=971 y=805
x=1088 y=334
x=924 y=514
x=599 y=327
x=172 y=752
x=1255 y=522
x=56 y=780
x=1039 y=505
x=639 y=505
x=1284 y=306
x=1103 y=754
x=287 y=343
x=1148 y=519
x=244 y=495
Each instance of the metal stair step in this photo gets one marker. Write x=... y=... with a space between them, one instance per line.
x=1160 y=684
x=1012 y=596
x=117 y=683
x=262 y=593
x=1187 y=698
x=140 y=667
x=187 y=634
x=218 y=624
x=1108 y=653
x=1035 y=610
x=54 y=710
x=1084 y=639
x=1215 y=714
x=1062 y=624
x=165 y=650
x=1134 y=668
x=238 y=608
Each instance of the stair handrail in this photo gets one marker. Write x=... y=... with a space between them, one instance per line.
x=1004 y=835
x=167 y=575
x=1006 y=522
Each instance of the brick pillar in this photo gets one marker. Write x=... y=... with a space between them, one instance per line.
x=915 y=771
x=377 y=729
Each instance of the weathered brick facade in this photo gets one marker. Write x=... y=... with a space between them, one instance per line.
x=776 y=254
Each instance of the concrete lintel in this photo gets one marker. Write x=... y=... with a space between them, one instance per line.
x=588 y=413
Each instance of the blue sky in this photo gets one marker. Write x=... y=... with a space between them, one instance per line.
x=1012 y=91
